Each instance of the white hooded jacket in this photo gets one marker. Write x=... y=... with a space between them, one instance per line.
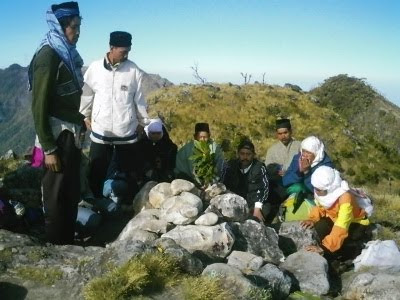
x=113 y=99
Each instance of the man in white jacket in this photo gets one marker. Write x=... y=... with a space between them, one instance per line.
x=114 y=108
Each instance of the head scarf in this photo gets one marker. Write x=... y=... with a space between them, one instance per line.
x=315 y=146
x=155 y=125
x=328 y=179
x=56 y=39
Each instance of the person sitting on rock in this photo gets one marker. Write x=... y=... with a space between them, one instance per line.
x=158 y=153
x=312 y=155
x=247 y=177
x=337 y=218
x=278 y=158
x=184 y=168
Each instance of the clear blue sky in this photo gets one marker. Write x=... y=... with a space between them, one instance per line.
x=301 y=42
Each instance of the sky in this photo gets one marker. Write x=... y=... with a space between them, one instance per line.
x=290 y=41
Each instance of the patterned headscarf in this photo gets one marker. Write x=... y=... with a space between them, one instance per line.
x=56 y=39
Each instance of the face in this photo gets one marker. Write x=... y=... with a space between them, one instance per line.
x=320 y=192
x=246 y=157
x=284 y=135
x=155 y=136
x=202 y=136
x=308 y=155
x=73 y=30
x=118 y=54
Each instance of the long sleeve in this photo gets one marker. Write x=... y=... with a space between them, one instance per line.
x=140 y=101
x=45 y=68
x=293 y=174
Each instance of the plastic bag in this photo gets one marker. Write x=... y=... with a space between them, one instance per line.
x=363 y=200
x=383 y=255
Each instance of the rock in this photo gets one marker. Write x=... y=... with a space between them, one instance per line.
x=257 y=239
x=207 y=219
x=371 y=285
x=245 y=261
x=293 y=87
x=311 y=271
x=182 y=209
x=140 y=235
x=141 y=200
x=293 y=238
x=212 y=241
x=8 y=155
x=187 y=261
x=231 y=278
x=159 y=194
x=233 y=207
x=146 y=220
x=214 y=190
x=279 y=281
x=179 y=185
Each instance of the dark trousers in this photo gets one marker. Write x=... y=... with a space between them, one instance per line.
x=61 y=192
x=100 y=157
x=352 y=245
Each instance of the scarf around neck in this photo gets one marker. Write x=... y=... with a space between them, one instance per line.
x=56 y=39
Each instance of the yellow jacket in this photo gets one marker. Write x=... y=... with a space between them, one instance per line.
x=343 y=212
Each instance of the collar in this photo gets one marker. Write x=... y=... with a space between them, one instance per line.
x=244 y=171
x=108 y=65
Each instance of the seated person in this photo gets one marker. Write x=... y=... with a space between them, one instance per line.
x=278 y=159
x=337 y=218
x=247 y=177
x=184 y=166
x=312 y=155
x=158 y=153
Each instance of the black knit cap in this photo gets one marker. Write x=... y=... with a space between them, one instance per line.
x=283 y=123
x=120 y=39
x=201 y=127
x=246 y=144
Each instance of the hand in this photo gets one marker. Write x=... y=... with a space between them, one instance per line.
x=258 y=214
x=88 y=124
x=308 y=224
x=304 y=165
x=52 y=162
x=315 y=249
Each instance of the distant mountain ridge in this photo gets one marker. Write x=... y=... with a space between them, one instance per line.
x=16 y=123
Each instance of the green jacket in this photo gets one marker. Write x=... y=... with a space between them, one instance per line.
x=54 y=94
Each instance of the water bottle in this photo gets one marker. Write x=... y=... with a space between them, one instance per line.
x=19 y=208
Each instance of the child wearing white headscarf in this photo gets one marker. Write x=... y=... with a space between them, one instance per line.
x=336 y=210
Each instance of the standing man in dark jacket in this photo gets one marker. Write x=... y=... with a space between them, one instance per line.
x=247 y=177
x=56 y=81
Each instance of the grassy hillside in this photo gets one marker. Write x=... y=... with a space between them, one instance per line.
x=251 y=110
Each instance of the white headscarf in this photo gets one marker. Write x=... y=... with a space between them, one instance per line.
x=155 y=125
x=315 y=146
x=328 y=179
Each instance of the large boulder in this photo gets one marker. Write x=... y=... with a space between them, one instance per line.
x=232 y=279
x=187 y=261
x=279 y=281
x=182 y=209
x=214 y=190
x=212 y=241
x=292 y=237
x=207 y=219
x=258 y=239
x=147 y=220
x=180 y=185
x=159 y=194
x=371 y=285
x=141 y=200
x=245 y=261
x=231 y=206
x=311 y=271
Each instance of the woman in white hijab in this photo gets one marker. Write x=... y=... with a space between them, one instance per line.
x=337 y=214
x=312 y=155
